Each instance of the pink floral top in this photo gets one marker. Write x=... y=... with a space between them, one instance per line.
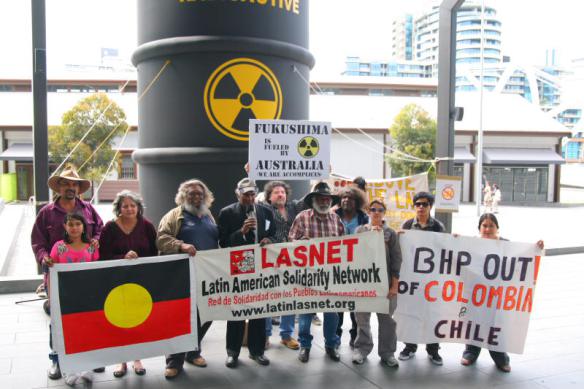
x=64 y=253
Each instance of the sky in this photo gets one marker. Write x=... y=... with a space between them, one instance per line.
x=77 y=29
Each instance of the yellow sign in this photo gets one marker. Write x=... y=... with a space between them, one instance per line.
x=239 y=90
x=308 y=147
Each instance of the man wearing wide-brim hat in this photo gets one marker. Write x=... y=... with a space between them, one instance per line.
x=49 y=228
x=318 y=222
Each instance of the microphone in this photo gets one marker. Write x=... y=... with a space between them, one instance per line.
x=251 y=213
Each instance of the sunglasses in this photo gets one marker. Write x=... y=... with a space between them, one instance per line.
x=374 y=210
x=424 y=204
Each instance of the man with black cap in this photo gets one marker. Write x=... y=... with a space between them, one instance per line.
x=423 y=202
x=243 y=223
x=318 y=222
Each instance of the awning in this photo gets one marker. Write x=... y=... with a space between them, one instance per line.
x=18 y=152
x=462 y=155
x=496 y=156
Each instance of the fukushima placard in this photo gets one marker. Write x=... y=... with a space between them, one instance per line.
x=347 y=273
x=289 y=149
x=466 y=290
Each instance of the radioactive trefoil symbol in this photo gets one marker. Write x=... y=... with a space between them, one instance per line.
x=308 y=147
x=238 y=90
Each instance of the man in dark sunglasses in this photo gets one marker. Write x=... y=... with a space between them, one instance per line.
x=423 y=202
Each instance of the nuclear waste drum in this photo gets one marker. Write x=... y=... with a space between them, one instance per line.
x=204 y=69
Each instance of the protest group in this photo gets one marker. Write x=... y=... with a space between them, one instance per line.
x=328 y=253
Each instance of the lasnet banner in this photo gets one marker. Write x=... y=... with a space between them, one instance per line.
x=466 y=290
x=347 y=273
x=397 y=193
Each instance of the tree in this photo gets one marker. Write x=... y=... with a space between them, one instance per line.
x=412 y=132
x=91 y=111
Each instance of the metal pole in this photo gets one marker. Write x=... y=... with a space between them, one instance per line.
x=39 y=94
x=446 y=83
x=479 y=165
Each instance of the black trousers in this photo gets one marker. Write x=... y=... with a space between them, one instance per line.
x=353 y=330
x=430 y=347
x=500 y=358
x=256 y=336
x=176 y=361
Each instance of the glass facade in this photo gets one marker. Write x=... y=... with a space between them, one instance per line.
x=519 y=184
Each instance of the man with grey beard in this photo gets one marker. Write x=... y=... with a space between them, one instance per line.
x=186 y=229
x=318 y=222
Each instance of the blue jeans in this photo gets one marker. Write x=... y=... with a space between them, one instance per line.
x=286 y=326
x=329 y=327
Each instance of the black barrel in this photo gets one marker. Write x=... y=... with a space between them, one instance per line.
x=230 y=61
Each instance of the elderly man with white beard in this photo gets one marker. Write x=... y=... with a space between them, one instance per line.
x=318 y=222
x=186 y=229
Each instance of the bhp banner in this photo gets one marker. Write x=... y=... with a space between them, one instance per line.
x=466 y=290
x=347 y=273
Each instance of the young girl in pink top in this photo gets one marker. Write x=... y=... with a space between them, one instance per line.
x=75 y=247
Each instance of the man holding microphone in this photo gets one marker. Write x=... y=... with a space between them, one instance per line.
x=243 y=223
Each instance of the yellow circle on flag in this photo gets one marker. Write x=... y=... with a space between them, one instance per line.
x=128 y=305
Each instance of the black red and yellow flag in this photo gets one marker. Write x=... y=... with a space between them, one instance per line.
x=124 y=305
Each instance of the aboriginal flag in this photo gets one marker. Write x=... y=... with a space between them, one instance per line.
x=124 y=305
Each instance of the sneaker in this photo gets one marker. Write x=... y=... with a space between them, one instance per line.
x=390 y=361
x=71 y=379
x=406 y=353
x=357 y=358
x=291 y=343
x=435 y=358
x=87 y=375
x=316 y=320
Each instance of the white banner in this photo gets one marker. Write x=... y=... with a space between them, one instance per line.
x=347 y=273
x=397 y=193
x=104 y=313
x=466 y=290
x=289 y=150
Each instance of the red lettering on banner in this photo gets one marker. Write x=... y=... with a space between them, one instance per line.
x=479 y=288
x=283 y=258
x=448 y=295
x=315 y=255
x=350 y=243
x=265 y=263
x=330 y=252
x=528 y=301
x=427 y=290
x=460 y=297
x=510 y=294
x=333 y=249
x=300 y=253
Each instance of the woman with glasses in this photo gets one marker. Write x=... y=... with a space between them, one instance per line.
x=489 y=229
x=387 y=336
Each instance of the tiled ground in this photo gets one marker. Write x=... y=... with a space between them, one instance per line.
x=553 y=356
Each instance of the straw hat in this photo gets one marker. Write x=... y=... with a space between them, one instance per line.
x=70 y=173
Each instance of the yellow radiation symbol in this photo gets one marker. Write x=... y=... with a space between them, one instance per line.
x=308 y=147
x=239 y=90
